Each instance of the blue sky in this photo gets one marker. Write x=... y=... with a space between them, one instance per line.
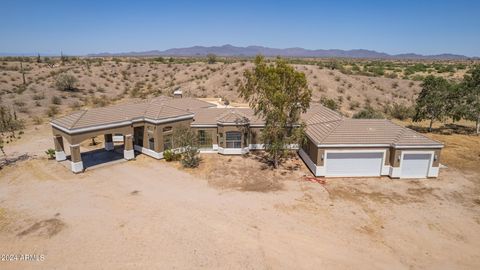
x=81 y=27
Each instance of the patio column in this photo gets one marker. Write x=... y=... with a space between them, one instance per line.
x=128 y=153
x=108 y=142
x=77 y=164
x=59 y=148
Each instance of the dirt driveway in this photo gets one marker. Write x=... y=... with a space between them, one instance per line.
x=147 y=214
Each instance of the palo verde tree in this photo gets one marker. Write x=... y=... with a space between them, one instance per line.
x=431 y=102
x=279 y=94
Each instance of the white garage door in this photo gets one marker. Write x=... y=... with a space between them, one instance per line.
x=354 y=164
x=415 y=165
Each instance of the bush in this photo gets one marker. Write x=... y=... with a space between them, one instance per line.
x=56 y=100
x=65 y=82
x=186 y=140
x=190 y=158
x=52 y=111
x=329 y=103
x=399 y=111
x=170 y=155
x=368 y=113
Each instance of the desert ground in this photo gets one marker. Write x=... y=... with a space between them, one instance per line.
x=28 y=87
x=235 y=212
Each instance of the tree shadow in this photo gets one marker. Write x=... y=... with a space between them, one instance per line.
x=446 y=129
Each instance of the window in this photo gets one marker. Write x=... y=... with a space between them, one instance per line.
x=167 y=142
x=167 y=129
x=233 y=139
x=204 y=139
x=151 y=143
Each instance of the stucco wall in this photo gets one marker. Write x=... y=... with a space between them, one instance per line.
x=80 y=137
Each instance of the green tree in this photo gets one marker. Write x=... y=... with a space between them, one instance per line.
x=279 y=94
x=456 y=102
x=431 y=102
x=470 y=89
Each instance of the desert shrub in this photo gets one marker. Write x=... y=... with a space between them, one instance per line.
x=52 y=111
x=56 y=100
x=368 y=113
x=399 y=111
x=354 y=104
x=65 y=82
x=37 y=120
x=38 y=96
x=329 y=103
x=101 y=101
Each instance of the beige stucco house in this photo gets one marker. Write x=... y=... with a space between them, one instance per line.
x=335 y=146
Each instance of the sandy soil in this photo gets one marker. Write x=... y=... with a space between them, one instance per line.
x=232 y=214
x=106 y=82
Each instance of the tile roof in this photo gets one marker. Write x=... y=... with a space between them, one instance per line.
x=213 y=116
x=154 y=109
x=348 y=131
x=323 y=126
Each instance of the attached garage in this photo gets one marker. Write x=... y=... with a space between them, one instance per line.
x=415 y=165
x=347 y=164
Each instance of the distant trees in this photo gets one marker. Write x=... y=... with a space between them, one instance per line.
x=280 y=94
x=65 y=82
x=470 y=97
x=440 y=99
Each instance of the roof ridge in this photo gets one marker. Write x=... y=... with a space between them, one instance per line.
x=78 y=119
x=405 y=129
x=331 y=131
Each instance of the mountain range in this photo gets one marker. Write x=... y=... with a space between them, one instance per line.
x=249 y=51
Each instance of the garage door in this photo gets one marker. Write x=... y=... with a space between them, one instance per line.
x=354 y=164
x=415 y=165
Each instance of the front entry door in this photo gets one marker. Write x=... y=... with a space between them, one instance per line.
x=138 y=136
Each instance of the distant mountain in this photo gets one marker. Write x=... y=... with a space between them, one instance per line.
x=229 y=50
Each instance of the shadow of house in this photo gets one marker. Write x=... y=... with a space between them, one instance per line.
x=101 y=156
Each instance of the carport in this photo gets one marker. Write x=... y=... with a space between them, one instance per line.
x=76 y=137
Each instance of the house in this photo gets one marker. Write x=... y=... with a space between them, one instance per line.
x=335 y=146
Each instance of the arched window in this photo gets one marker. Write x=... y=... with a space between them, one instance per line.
x=167 y=129
x=233 y=139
